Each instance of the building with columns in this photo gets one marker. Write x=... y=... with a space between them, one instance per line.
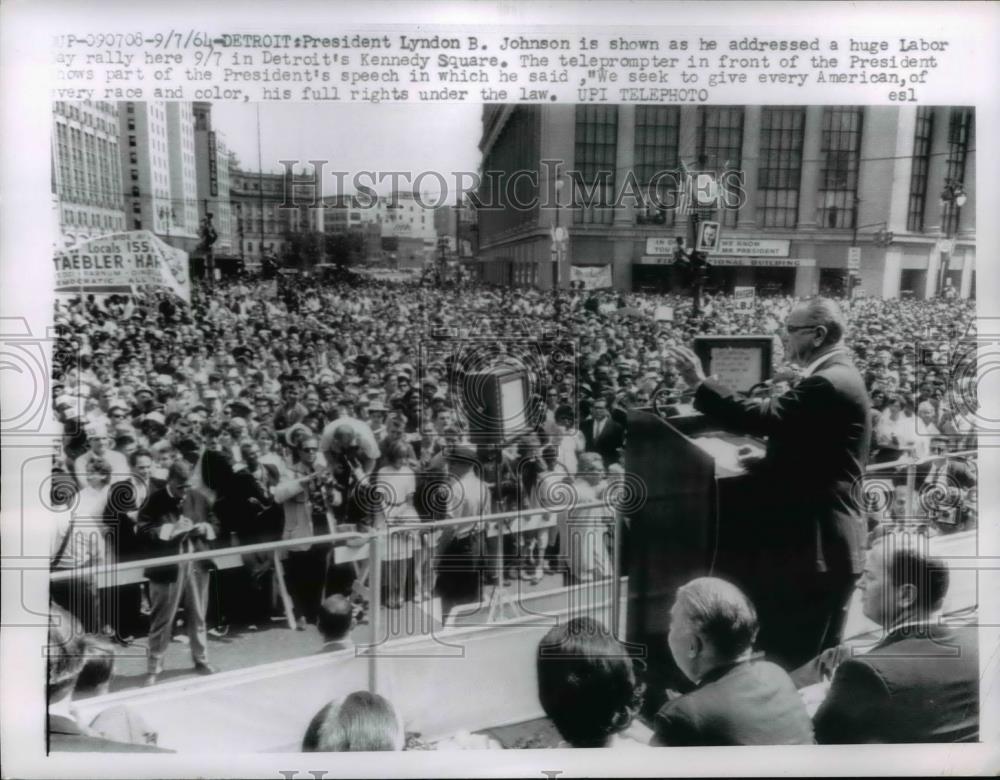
x=261 y=207
x=815 y=182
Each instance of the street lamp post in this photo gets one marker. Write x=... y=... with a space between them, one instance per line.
x=167 y=216
x=954 y=195
x=559 y=239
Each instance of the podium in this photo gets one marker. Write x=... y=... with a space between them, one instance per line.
x=699 y=518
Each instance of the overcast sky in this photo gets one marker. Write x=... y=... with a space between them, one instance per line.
x=355 y=136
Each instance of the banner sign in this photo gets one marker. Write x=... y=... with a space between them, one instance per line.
x=213 y=165
x=661 y=245
x=120 y=262
x=594 y=277
x=743 y=297
x=752 y=247
x=758 y=262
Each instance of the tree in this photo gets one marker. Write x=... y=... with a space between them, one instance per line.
x=302 y=248
x=344 y=249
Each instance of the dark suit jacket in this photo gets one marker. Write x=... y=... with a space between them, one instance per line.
x=612 y=438
x=919 y=684
x=252 y=523
x=818 y=436
x=162 y=508
x=749 y=703
x=122 y=499
x=66 y=736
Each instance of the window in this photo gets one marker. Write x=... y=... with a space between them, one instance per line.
x=136 y=224
x=516 y=149
x=594 y=156
x=131 y=141
x=959 y=129
x=720 y=144
x=918 y=174
x=781 y=132
x=657 y=133
x=840 y=147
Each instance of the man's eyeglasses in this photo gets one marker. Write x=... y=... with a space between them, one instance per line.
x=797 y=328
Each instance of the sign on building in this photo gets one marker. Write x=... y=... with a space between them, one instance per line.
x=854 y=258
x=754 y=247
x=761 y=262
x=661 y=245
x=213 y=165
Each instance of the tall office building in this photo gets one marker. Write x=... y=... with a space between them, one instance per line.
x=158 y=170
x=817 y=182
x=86 y=171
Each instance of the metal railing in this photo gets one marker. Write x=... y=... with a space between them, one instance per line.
x=911 y=466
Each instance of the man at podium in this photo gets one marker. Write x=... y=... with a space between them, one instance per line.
x=810 y=531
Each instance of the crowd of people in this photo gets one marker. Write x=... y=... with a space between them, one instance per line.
x=269 y=410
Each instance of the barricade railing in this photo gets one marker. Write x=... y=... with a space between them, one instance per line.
x=491 y=525
x=911 y=465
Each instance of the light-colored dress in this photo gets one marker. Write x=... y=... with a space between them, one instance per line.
x=582 y=536
x=395 y=488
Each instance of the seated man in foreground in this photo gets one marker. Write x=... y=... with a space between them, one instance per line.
x=920 y=683
x=739 y=700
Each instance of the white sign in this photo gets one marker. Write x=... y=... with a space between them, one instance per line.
x=119 y=262
x=663 y=314
x=736 y=367
x=754 y=247
x=661 y=245
x=594 y=277
x=708 y=237
x=854 y=258
x=760 y=262
x=743 y=297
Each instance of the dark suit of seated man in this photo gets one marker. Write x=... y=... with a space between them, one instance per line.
x=920 y=682
x=738 y=700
